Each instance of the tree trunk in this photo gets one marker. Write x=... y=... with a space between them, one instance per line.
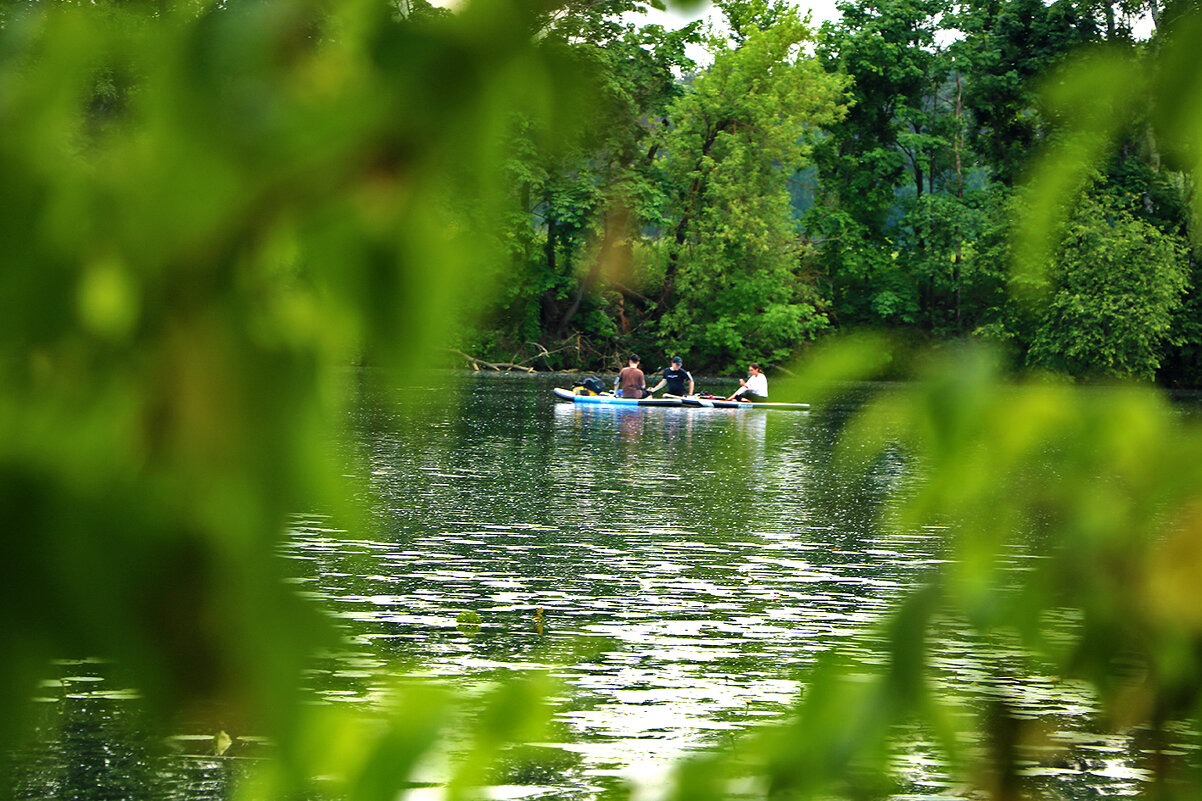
x=692 y=200
x=550 y=311
x=614 y=254
x=957 y=143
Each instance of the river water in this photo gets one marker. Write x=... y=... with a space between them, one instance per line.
x=676 y=570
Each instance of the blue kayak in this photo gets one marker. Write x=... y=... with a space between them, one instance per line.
x=672 y=400
x=613 y=400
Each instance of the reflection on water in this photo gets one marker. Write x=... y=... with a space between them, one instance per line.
x=92 y=744
x=676 y=569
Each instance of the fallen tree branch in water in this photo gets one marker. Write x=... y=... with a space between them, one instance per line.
x=477 y=364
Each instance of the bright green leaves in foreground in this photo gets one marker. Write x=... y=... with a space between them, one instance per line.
x=1073 y=553
x=402 y=742
x=207 y=215
x=1100 y=486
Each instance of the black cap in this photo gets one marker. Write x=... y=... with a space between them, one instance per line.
x=676 y=360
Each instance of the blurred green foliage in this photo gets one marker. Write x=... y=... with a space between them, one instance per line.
x=1071 y=524
x=209 y=212
x=1098 y=489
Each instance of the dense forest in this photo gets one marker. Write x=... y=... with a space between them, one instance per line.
x=800 y=181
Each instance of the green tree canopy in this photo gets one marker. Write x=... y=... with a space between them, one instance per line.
x=1116 y=283
x=733 y=290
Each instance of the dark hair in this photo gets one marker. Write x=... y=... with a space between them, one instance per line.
x=634 y=357
x=756 y=365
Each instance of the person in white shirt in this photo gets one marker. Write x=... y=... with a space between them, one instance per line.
x=755 y=388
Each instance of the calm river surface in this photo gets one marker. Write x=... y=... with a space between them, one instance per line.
x=689 y=565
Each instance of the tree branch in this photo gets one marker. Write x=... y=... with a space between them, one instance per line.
x=476 y=364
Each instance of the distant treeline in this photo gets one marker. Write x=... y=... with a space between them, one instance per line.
x=804 y=180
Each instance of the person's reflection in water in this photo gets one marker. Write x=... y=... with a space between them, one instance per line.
x=752 y=427
x=630 y=428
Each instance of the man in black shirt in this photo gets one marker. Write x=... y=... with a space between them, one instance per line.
x=676 y=378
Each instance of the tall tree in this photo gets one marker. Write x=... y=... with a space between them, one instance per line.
x=897 y=135
x=1115 y=285
x=582 y=202
x=732 y=286
x=1007 y=46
